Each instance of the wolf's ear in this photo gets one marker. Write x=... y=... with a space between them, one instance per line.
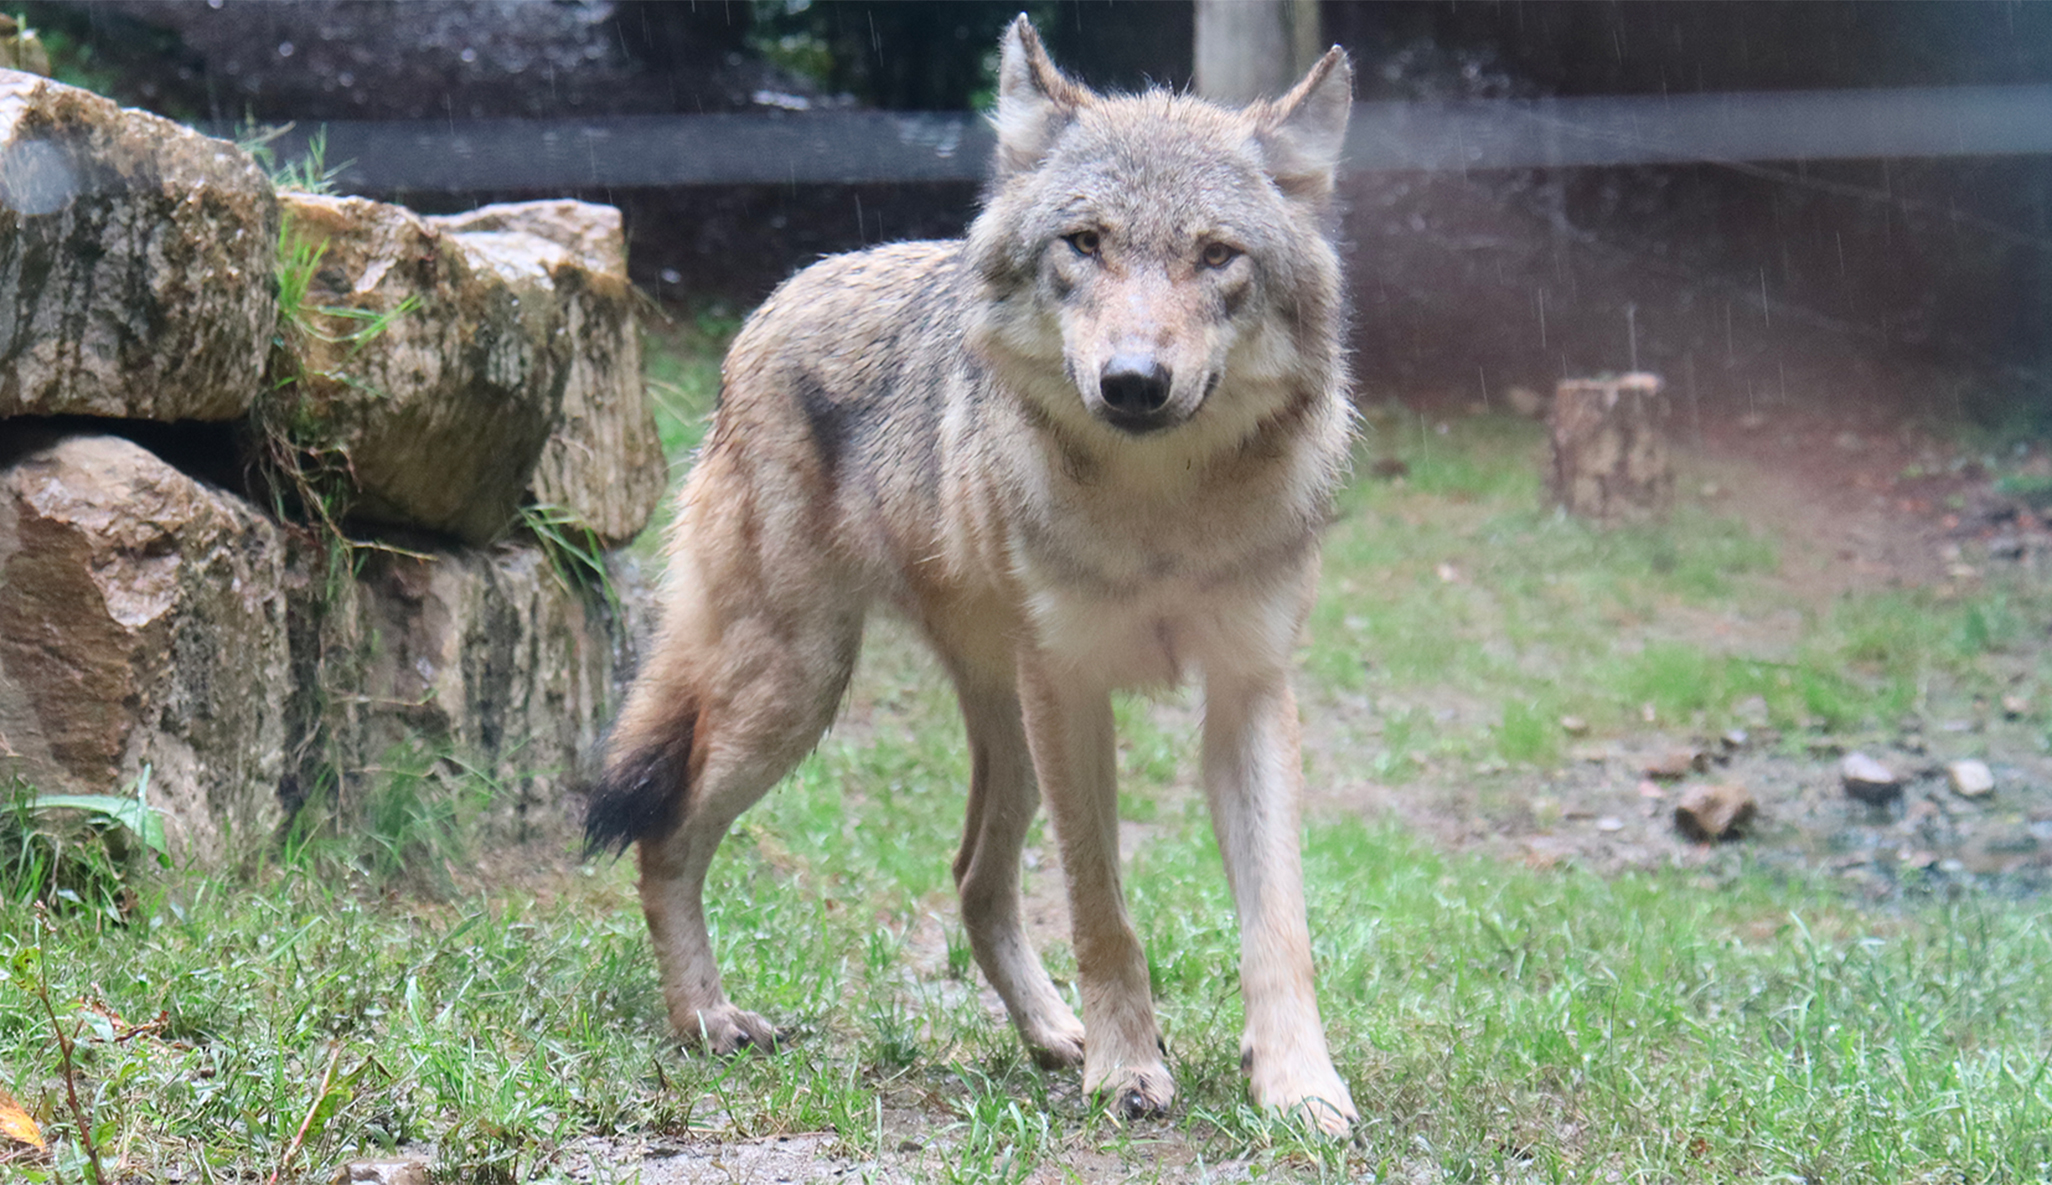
x=1304 y=133
x=1035 y=100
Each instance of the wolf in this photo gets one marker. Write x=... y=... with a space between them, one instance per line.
x=1089 y=447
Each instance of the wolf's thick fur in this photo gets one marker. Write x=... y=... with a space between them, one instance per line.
x=1088 y=448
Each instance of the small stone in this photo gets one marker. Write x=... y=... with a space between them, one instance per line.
x=1752 y=711
x=1574 y=726
x=1651 y=790
x=1678 y=762
x=2015 y=707
x=1916 y=857
x=1610 y=823
x=1734 y=739
x=382 y=1172
x=1868 y=780
x=1970 y=778
x=1709 y=812
x=1526 y=402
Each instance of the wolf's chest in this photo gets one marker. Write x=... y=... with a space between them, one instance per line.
x=1144 y=614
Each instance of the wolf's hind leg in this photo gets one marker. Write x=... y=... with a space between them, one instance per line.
x=1002 y=800
x=758 y=636
x=772 y=696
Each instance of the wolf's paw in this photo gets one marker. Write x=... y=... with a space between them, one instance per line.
x=1135 y=1092
x=727 y=1030
x=1057 y=1044
x=1300 y=1090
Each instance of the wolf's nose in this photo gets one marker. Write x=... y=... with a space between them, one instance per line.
x=1134 y=385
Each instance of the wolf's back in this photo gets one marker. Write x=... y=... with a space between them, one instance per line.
x=827 y=438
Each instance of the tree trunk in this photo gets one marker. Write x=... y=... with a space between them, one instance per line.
x=1253 y=49
x=1610 y=456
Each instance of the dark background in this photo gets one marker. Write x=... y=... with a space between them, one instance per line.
x=1910 y=285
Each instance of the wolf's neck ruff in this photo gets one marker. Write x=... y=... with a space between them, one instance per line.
x=1090 y=446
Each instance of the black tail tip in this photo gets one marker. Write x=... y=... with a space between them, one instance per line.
x=638 y=796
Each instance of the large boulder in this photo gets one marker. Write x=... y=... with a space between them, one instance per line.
x=418 y=363
x=136 y=261
x=484 y=362
x=479 y=661
x=142 y=622
x=603 y=462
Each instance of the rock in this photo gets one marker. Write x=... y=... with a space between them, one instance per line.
x=603 y=461
x=1574 y=726
x=142 y=622
x=444 y=411
x=1677 y=762
x=1709 y=812
x=1732 y=740
x=2016 y=707
x=486 y=661
x=1970 y=778
x=1868 y=780
x=382 y=1172
x=1752 y=711
x=136 y=262
x=1526 y=402
x=512 y=375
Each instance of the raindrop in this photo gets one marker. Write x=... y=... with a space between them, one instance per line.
x=672 y=276
x=468 y=55
x=286 y=49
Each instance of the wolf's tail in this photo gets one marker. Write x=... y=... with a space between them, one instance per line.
x=647 y=778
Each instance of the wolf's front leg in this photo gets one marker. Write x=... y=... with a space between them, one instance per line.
x=1254 y=781
x=1069 y=728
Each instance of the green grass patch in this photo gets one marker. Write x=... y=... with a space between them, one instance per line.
x=1496 y=1023
x=1457 y=585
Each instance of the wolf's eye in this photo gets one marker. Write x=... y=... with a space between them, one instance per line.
x=1084 y=241
x=1218 y=255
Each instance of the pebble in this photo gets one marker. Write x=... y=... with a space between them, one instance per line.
x=1868 y=780
x=382 y=1172
x=1710 y=811
x=1676 y=763
x=1970 y=778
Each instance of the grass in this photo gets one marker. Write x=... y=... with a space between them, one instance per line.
x=358 y=995
x=1473 y=619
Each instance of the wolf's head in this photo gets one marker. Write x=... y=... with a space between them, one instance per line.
x=1156 y=264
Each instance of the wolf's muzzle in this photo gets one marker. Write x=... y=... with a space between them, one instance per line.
x=1135 y=389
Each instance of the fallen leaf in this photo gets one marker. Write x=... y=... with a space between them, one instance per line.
x=16 y=1125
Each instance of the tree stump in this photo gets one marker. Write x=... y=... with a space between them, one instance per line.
x=1610 y=457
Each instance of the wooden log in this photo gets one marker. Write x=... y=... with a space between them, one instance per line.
x=1610 y=454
